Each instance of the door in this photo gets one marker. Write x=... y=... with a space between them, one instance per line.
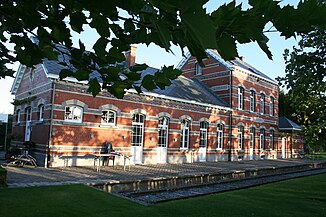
x=163 y=132
x=137 y=138
x=28 y=128
x=203 y=141
x=28 y=131
x=283 y=147
x=252 y=143
x=202 y=154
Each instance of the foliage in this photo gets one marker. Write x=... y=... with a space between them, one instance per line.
x=305 y=80
x=296 y=197
x=120 y=23
x=26 y=100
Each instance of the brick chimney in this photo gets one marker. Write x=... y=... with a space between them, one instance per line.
x=131 y=56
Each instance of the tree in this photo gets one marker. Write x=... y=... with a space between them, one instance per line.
x=120 y=23
x=306 y=81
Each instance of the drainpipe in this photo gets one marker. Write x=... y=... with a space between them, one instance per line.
x=47 y=150
x=230 y=119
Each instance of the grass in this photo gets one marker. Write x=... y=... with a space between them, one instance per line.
x=321 y=155
x=297 y=197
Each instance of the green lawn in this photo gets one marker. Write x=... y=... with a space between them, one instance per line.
x=321 y=155
x=298 y=197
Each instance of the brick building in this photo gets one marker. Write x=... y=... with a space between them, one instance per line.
x=226 y=110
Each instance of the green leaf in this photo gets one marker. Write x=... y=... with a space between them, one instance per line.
x=148 y=82
x=65 y=73
x=100 y=46
x=77 y=20
x=94 y=87
x=227 y=47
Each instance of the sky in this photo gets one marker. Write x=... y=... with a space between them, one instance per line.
x=157 y=57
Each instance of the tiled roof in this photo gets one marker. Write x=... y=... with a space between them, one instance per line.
x=286 y=124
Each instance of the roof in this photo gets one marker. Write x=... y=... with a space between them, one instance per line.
x=188 y=89
x=288 y=125
x=230 y=65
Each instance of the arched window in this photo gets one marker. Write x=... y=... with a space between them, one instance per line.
x=28 y=113
x=163 y=131
x=262 y=103
x=271 y=139
x=40 y=112
x=262 y=139
x=137 y=129
x=271 y=106
x=240 y=137
x=203 y=134
x=73 y=114
x=184 y=134
x=220 y=128
x=18 y=116
x=240 y=97
x=108 y=117
x=252 y=100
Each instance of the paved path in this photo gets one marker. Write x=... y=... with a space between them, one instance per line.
x=30 y=176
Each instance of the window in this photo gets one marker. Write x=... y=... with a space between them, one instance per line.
x=262 y=139
x=74 y=114
x=41 y=112
x=108 y=117
x=203 y=134
x=163 y=131
x=240 y=97
x=262 y=103
x=252 y=100
x=199 y=69
x=252 y=137
x=28 y=112
x=219 y=136
x=271 y=106
x=271 y=139
x=18 y=116
x=137 y=129
x=184 y=134
x=240 y=137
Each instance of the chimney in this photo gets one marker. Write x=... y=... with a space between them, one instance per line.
x=131 y=56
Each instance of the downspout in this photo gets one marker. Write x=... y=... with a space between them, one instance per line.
x=230 y=118
x=47 y=150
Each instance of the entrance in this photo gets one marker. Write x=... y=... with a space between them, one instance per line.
x=137 y=138
x=283 y=147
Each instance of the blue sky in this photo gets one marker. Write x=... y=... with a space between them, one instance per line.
x=157 y=57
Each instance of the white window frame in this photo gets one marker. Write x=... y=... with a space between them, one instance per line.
x=71 y=117
x=262 y=103
x=252 y=100
x=240 y=137
x=137 y=132
x=240 y=97
x=41 y=112
x=203 y=135
x=105 y=117
x=271 y=106
x=163 y=132
x=261 y=139
x=18 y=116
x=198 y=69
x=219 y=142
x=184 y=134
x=271 y=139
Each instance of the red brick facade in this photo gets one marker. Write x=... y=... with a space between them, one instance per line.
x=71 y=141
